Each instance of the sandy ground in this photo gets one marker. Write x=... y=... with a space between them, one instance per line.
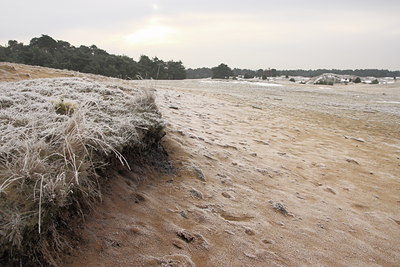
x=265 y=176
x=292 y=176
x=10 y=72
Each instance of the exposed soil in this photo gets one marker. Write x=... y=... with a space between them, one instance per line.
x=265 y=176
x=10 y=72
x=283 y=184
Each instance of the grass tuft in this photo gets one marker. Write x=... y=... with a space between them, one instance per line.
x=52 y=151
x=64 y=107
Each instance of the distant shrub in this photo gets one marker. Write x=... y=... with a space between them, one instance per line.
x=375 y=81
x=357 y=80
x=324 y=82
x=292 y=80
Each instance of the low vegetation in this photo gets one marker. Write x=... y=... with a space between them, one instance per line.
x=324 y=82
x=57 y=136
x=375 y=81
x=267 y=73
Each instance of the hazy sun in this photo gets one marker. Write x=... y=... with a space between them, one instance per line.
x=152 y=34
x=155 y=6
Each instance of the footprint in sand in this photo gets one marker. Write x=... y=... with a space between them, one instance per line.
x=178 y=260
x=359 y=206
x=234 y=217
x=193 y=238
x=136 y=197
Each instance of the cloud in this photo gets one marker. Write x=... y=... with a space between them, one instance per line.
x=253 y=34
x=306 y=40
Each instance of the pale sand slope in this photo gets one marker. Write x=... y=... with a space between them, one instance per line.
x=259 y=146
x=342 y=195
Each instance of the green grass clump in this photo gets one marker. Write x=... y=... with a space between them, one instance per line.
x=64 y=107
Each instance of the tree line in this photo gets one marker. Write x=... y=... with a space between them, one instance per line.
x=357 y=72
x=47 y=52
x=223 y=71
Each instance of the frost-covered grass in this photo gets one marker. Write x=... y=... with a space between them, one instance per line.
x=56 y=134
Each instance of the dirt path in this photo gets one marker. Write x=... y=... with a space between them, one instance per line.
x=257 y=185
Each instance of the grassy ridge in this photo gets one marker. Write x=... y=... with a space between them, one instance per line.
x=56 y=135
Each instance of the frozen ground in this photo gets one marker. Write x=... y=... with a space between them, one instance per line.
x=356 y=101
x=266 y=176
x=291 y=175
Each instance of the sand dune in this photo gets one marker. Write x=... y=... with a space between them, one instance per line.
x=263 y=176
x=288 y=181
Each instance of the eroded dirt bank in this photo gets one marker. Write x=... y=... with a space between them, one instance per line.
x=263 y=179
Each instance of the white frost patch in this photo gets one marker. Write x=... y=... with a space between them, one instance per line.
x=388 y=102
x=110 y=112
x=212 y=81
x=246 y=83
x=56 y=134
x=265 y=84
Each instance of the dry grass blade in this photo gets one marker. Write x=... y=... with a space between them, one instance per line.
x=51 y=150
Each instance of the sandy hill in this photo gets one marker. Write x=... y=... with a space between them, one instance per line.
x=257 y=175
x=60 y=139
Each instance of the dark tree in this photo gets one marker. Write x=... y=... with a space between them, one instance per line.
x=222 y=72
x=3 y=53
x=176 y=70
x=145 y=66
x=271 y=73
x=44 y=42
x=260 y=73
x=198 y=73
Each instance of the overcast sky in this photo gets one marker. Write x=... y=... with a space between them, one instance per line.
x=285 y=34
